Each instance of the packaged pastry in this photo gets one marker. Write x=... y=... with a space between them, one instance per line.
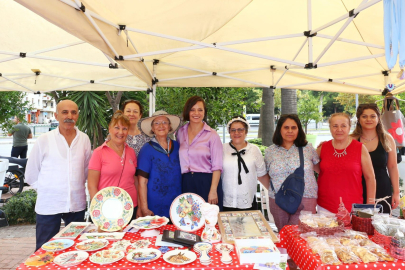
x=345 y=255
x=381 y=253
x=333 y=241
x=328 y=256
x=356 y=235
x=364 y=254
x=349 y=242
x=366 y=243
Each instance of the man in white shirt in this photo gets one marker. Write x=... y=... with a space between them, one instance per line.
x=57 y=169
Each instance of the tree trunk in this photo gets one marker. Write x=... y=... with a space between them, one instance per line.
x=288 y=101
x=114 y=100
x=267 y=116
x=260 y=130
x=320 y=107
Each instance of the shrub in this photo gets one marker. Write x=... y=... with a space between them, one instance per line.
x=20 y=208
x=257 y=141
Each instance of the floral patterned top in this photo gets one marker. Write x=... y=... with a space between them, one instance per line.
x=281 y=162
x=137 y=141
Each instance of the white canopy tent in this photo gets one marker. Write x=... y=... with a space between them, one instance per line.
x=334 y=45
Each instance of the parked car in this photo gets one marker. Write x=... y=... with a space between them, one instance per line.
x=253 y=119
x=54 y=124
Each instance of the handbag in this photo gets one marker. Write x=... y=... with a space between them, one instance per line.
x=393 y=121
x=289 y=196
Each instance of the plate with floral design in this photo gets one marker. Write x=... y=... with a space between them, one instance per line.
x=185 y=212
x=92 y=245
x=73 y=230
x=40 y=259
x=71 y=258
x=149 y=222
x=111 y=209
x=58 y=245
x=107 y=256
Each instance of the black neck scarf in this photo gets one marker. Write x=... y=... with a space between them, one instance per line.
x=240 y=161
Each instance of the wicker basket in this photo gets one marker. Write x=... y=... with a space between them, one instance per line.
x=304 y=228
x=362 y=225
x=396 y=251
x=381 y=239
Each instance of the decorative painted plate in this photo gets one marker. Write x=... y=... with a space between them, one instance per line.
x=111 y=209
x=149 y=222
x=58 y=245
x=92 y=245
x=109 y=236
x=121 y=245
x=73 y=230
x=71 y=258
x=185 y=212
x=179 y=257
x=107 y=256
x=40 y=260
x=144 y=255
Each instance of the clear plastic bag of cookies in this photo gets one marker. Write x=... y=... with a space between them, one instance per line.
x=346 y=255
x=333 y=241
x=307 y=218
x=381 y=253
x=326 y=221
x=356 y=235
x=347 y=241
x=364 y=254
x=328 y=256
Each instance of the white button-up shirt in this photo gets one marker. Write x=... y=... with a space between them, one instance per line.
x=59 y=172
x=235 y=195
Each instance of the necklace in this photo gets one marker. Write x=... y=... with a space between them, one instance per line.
x=336 y=153
x=368 y=140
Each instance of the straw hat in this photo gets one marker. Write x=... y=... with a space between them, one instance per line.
x=145 y=124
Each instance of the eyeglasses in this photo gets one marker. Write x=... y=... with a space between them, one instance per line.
x=239 y=130
x=164 y=123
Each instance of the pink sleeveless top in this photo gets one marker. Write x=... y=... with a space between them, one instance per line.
x=340 y=177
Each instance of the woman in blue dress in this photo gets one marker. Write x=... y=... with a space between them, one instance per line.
x=158 y=170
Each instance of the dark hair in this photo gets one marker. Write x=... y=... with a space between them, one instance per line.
x=381 y=133
x=190 y=104
x=126 y=102
x=238 y=121
x=301 y=137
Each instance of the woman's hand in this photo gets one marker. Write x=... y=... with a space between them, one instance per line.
x=147 y=212
x=395 y=200
x=138 y=212
x=213 y=197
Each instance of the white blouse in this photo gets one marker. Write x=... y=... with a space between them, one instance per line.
x=235 y=195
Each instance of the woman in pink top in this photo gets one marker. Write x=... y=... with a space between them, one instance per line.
x=113 y=164
x=200 y=154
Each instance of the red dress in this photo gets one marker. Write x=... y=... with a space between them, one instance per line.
x=340 y=177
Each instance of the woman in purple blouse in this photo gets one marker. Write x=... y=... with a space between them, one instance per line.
x=200 y=154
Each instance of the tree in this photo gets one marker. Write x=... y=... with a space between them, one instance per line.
x=267 y=117
x=308 y=109
x=288 y=101
x=13 y=104
x=222 y=102
x=349 y=101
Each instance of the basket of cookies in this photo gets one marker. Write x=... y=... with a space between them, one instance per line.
x=321 y=224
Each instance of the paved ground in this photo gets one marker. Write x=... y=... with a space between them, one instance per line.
x=17 y=243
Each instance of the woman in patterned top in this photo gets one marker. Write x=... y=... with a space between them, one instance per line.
x=136 y=138
x=282 y=158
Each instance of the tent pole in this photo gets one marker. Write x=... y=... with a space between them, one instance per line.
x=113 y=78
x=136 y=50
x=351 y=41
x=351 y=60
x=346 y=24
x=69 y=3
x=17 y=83
x=295 y=56
x=341 y=18
x=67 y=87
x=123 y=86
x=152 y=95
x=242 y=80
x=259 y=39
x=140 y=55
x=9 y=59
x=356 y=85
x=9 y=88
x=299 y=84
x=186 y=77
x=244 y=70
x=309 y=18
x=66 y=60
x=57 y=47
x=353 y=77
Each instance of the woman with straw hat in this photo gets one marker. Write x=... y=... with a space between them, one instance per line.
x=158 y=168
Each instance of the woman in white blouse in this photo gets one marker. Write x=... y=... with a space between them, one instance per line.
x=240 y=185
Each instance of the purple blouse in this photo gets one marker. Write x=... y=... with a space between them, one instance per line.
x=204 y=154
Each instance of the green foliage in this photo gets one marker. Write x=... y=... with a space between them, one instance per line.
x=257 y=141
x=222 y=103
x=12 y=104
x=308 y=109
x=348 y=101
x=21 y=208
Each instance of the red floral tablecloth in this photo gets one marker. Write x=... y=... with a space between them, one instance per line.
x=306 y=260
x=158 y=264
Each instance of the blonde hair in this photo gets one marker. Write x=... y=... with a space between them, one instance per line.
x=339 y=114
x=381 y=132
x=119 y=117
